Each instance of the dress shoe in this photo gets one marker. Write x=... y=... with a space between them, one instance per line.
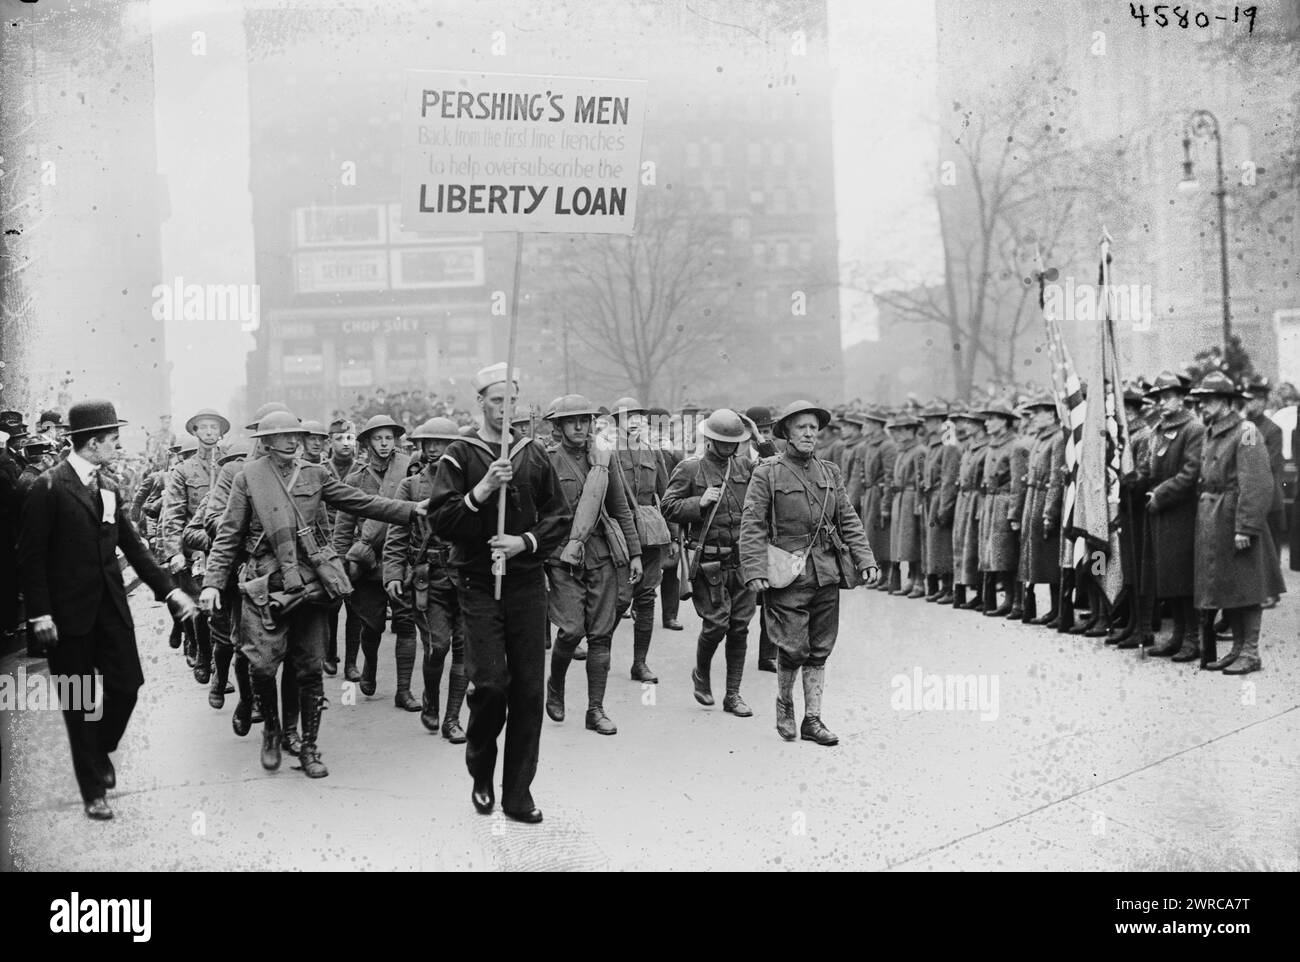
x=999 y=612
x=406 y=701
x=1128 y=643
x=1269 y=602
x=530 y=817
x=368 y=683
x=918 y=591
x=736 y=705
x=767 y=664
x=554 y=702
x=107 y=774
x=330 y=666
x=599 y=722
x=483 y=797
x=270 y=750
x=945 y=599
x=1119 y=636
x=1187 y=654
x=452 y=731
x=98 y=809
x=1242 y=665
x=703 y=689
x=672 y=624
x=1099 y=630
x=812 y=730
x=902 y=589
x=351 y=674
x=1171 y=647
x=1222 y=663
x=641 y=672
x=241 y=721
x=1016 y=614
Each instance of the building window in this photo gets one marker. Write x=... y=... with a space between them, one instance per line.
x=782 y=253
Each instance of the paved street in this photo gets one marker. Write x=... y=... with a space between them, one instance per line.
x=1096 y=760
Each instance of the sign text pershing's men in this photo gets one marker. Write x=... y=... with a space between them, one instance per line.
x=515 y=152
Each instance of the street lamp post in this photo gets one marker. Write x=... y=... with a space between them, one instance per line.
x=1201 y=124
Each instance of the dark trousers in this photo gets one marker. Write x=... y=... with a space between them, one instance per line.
x=332 y=647
x=584 y=604
x=726 y=608
x=505 y=661
x=805 y=621
x=766 y=646
x=670 y=592
x=442 y=629
x=92 y=739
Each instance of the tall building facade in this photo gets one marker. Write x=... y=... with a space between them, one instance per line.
x=738 y=122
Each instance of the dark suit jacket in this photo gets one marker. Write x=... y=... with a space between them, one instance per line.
x=69 y=568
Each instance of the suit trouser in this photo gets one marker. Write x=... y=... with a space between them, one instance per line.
x=805 y=621
x=92 y=739
x=505 y=661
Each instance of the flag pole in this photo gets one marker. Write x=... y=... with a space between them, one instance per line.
x=498 y=556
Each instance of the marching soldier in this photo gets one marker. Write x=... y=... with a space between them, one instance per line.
x=645 y=487
x=905 y=512
x=585 y=573
x=940 y=492
x=272 y=516
x=670 y=588
x=878 y=454
x=315 y=441
x=966 y=512
x=796 y=504
x=1039 y=554
x=1006 y=464
x=1236 y=567
x=1173 y=468
x=339 y=461
x=187 y=485
x=763 y=444
x=707 y=497
x=505 y=640
x=417 y=563
x=361 y=546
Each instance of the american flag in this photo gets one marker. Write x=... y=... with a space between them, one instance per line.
x=1105 y=453
x=1072 y=409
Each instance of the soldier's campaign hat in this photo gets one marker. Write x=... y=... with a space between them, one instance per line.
x=1216 y=384
x=268 y=408
x=966 y=413
x=761 y=415
x=689 y=407
x=278 y=422
x=570 y=406
x=238 y=449
x=1040 y=400
x=627 y=405
x=800 y=407
x=1133 y=393
x=726 y=426
x=1167 y=381
x=189 y=445
x=1257 y=386
x=1000 y=408
x=208 y=413
x=875 y=414
x=935 y=409
x=342 y=426
x=316 y=428
x=95 y=414
x=854 y=417
x=436 y=429
x=903 y=419
x=493 y=374
x=377 y=422
x=50 y=417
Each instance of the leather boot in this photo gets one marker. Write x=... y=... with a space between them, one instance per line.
x=309 y=758
x=404 y=651
x=174 y=639
x=1175 y=643
x=640 y=649
x=1065 y=620
x=1053 y=615
x=1029 y=604
x=351 y=645
x=812 y=729
x=1004 y=609
x=946 y=594
x=895 y=584
x=917 y=582
x=289 y=739
x=270 y=722
x=431 y=674
x=785 y=726
x=555 y=685
x=704 y=688
x=369 y=660
x=1017 y=612
x=988 y=592
x=732 y=702
x=203 y=649
x=1100 y=628
x=1238 y=642
x=1248 y=660
x=221 y=657
x=456 y=685
x=935 y=585
x=597 y=677
x=1185 y=615
x=959 y=597
x=191 y=643
x=886 y=576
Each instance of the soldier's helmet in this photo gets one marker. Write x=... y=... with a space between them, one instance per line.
x=1216 y=384
x=377 y=422
x=801 y=407
x=1167 y=381
x=189 y=446
x=315 y=428
x=278 y=422
x=270 y=407
x=238 y=449
x=570 y=406
x=627 y=405
x=207 y=413
x=724 y=425
x=436 y=429
x=1000 y=408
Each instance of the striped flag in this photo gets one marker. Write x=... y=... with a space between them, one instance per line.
x=1106 y=454
x=1071 y=408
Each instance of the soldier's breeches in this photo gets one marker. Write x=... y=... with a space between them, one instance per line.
x=725 y=610
x=300 y=637
x=642 y=595
x=584 y=605
x=803 y=620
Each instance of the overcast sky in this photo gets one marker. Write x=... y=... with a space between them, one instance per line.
x=883 y=53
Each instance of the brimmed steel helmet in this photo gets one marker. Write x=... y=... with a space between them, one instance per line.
x=268 y=408
x=238 y=449
x=724 y=425
x=570 y=406
x=800 y=407
x=207 y=413
x=436 y=429
x=377 y=422
x=627 y=405
x=278 y=422
x=315 y=428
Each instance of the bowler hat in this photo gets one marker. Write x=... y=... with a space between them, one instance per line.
x=50 y=417
x=95 y=414
x=800 y=407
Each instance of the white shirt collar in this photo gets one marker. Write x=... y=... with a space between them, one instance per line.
x=83 y=467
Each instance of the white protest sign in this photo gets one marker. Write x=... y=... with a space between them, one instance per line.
x=483 y=151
